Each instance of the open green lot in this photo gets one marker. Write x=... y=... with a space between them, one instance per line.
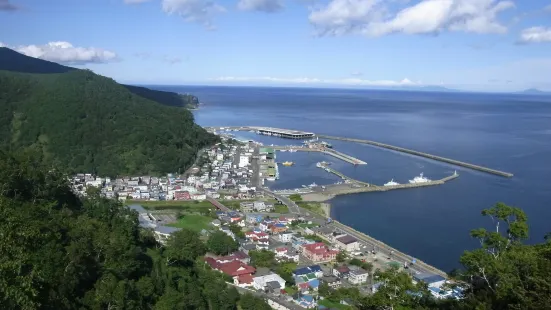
x=193 y=221
x=333 y=305
x=283 y=209
x=312 y=206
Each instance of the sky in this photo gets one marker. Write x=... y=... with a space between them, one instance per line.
x=481 y=45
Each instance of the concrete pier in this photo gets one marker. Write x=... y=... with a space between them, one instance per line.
x=421 y=154
x=334 y=153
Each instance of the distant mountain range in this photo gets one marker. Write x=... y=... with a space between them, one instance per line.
x=535 y=91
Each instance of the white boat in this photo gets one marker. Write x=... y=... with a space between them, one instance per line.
x=284 y=150
x=318 y=165
x=270 y=179
x=292 y=150
x=391 y=183
x=313 y=185
x=419 y=179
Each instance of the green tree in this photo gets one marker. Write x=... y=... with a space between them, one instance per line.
x=295 y=197
x=341 y=256
x=262 y=258
x=504 y=273
x=250 y=302
x=221 y=244
x=184 y=246
x=285 y=270
x=324 y=289
x=237 y=231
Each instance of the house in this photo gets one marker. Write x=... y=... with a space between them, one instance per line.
x=332 y=281
x=341 y=272
x=278 y=228
x=318 y=252
x=432 y=280
x=239 y=256
x=253 y=219
x=261 y=282
x=234 y=268
x=280 y=252
x=316 y=269
x=305 y=301
x=216 y=223
x=285 y=236
x=182 y=195
x=291 y=255
x=245 y=280
x=246 y=248
x=357 y=276
x=227 y=231
x=347 y=243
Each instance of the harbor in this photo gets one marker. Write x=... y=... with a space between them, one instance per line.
x=330 y=152
x=363 y=141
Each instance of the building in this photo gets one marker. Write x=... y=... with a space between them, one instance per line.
x=316 y=269
x=262 y=282
x=318 y=252
x=432 y=280
x=234 y=268
x=332 y=281
x=341 y=272
x=357 y=276
x=347 y=243
x=285 y=236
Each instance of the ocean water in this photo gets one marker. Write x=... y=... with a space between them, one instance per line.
x=501 y=131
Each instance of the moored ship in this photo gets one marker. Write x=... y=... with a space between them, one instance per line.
x=391 y=183
x=419 y=179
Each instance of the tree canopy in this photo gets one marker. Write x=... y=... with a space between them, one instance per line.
x=85 y=122
x=220 y=243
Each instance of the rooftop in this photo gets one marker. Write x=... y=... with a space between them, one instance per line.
x=347 y=239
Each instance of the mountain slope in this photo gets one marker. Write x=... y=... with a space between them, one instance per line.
x=11 y=60
x=90 y=123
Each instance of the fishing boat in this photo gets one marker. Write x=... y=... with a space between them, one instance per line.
x=313 y=185
x=292 y=150
x=283 y=150
x=419 y=179
x=288 y=163
x=391 y=183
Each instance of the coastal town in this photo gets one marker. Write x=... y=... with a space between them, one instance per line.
x=284 y=250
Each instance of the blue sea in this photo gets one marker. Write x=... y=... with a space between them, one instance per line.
x=507 y=132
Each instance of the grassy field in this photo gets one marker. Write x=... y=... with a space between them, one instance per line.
x=333 y=305
x=281 y=209
x=312 y=206
x=193 y=221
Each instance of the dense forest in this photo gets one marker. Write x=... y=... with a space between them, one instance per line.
x=85 y=122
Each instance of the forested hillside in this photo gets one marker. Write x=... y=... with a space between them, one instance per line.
x=15 y=62
x=89 y=123
x=59 y=252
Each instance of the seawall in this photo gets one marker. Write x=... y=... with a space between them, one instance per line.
x=421 y=154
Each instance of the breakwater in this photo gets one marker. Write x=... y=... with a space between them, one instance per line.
x=334 y=153
x=421 y=154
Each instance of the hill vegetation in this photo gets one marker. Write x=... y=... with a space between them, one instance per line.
x=89 y=123
x=61 y=252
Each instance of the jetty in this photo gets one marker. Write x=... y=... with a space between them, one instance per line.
x=421 y=154
x=330 y=152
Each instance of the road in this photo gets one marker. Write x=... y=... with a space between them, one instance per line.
x=293 y=207
x=371 y=243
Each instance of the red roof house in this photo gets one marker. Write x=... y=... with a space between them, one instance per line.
x=318 y=252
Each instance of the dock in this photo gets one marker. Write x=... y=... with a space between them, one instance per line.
x=421 y=154
x=334 y=153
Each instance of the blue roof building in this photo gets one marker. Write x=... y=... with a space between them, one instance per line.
x=307 y=270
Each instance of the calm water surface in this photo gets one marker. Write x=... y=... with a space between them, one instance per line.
x=505 y=132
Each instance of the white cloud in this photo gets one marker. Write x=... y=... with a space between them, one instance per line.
x=535 y=35
x=65 y=52
x=5 y=5
x=374 y=17
x=304 y=80
x=267 y=6
x=198 y=11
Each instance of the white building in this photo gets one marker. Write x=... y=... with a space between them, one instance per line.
x=243 y=161
x=285 y=236
x=347 y=243
x=260 y=283
x=357 y=276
